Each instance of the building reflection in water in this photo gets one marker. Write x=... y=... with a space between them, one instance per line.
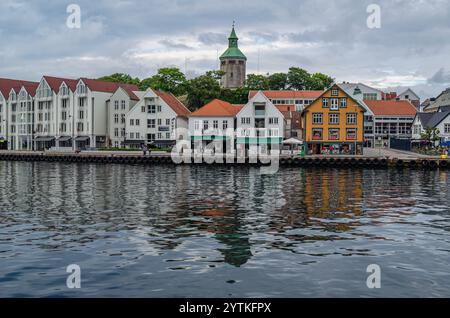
x=70 y=204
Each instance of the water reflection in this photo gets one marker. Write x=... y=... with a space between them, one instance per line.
x=240 y=217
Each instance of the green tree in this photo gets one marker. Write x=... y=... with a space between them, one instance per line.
x=234 y=96
x=169 y=79
x=320 y=81
x=431 y=135
x=298 y=79
x=121 y=78
x=278 y=81
x=203 y=89
x=257 y=82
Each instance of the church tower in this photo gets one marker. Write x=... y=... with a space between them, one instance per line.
x=234 y=63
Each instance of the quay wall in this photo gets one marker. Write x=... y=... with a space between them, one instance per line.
x=284 y=161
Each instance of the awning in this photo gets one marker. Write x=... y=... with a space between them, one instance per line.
x=134 y=142
x=293 y=141
x=64 y=138
x=44 y=139
x=82 y=138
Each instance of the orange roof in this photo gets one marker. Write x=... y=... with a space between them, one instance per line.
x=177 y=106
x=217 y=108
x=391 y=107
x=289 y=94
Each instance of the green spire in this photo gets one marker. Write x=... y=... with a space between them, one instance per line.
x=233 y=48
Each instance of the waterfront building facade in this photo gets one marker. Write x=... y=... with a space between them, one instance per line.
x=154 y=120
x=233 y=63
x=387 y=119
x=260 y=126
x=214 y=122
x=334 y=123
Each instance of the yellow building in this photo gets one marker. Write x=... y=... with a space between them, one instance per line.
x=334 y=124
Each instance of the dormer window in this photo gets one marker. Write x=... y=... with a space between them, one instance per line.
x=81 y=89
x=43 y=91
x=64 y=90
x=13 y=96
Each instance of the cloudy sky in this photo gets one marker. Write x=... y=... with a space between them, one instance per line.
x=411 y=49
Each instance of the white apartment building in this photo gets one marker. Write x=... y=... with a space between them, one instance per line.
x=154 y=120
x=360 y=91
x=259 y=125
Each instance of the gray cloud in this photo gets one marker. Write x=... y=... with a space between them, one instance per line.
x=440 y=77
x=138 y=37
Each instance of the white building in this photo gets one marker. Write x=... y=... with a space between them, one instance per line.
x=259 y=125
x=439 y=120
x=360 y=91
x=216 y=121
x=411 y=96
x=154 y=119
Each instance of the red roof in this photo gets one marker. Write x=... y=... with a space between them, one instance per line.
x=110 y=87
x=7 y=84
x=391 y=107
x=177 y=106
x=289 y=94
x=217 y=108
x=56 y=82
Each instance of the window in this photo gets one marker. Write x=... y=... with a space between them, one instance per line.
x=325 y=102
x=317 y=118
x=273 y=121
x=334 y=119
x=64 y=103
x=351 y=119
x=245 y=120
x=167 y=122
x=370 y=96
x=167 y=135
x=80 y=127
x=63 y=115
x=317 y=134
x=151 y=109
x=81 y=89
x=351 y=133
x=138 y=135
x=225 y=125
x=159 y=136
x=131 y=135
x=196 y=125
x=123 y=104
x=151 y=137
x=159 y=108
x=116 y=132
x=151 y=123
x=81 y=102
x=216 y=124
x=159 y=121
x=447 y=128
x=142 y=109
x=116 y=105
x=80 y=114
x=138 y=122
x=333 y=134
x=205 y=125
x=131 y=122
x=122 y=132
x=116 y=118
x=334 y=92
x=122 y=118
x=334 y=104
x=343 y=102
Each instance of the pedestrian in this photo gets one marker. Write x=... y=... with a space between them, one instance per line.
x=144 y=150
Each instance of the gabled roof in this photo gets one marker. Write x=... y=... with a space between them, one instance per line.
x=110 y=87
x=288 y=94
x=217 y=108
x=410 y=92
x=391 y=107
x=7 y=84
x=56 y=82
x=431 y=120
x=177 y=106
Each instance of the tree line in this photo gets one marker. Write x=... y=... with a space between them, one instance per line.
x=202 y=89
